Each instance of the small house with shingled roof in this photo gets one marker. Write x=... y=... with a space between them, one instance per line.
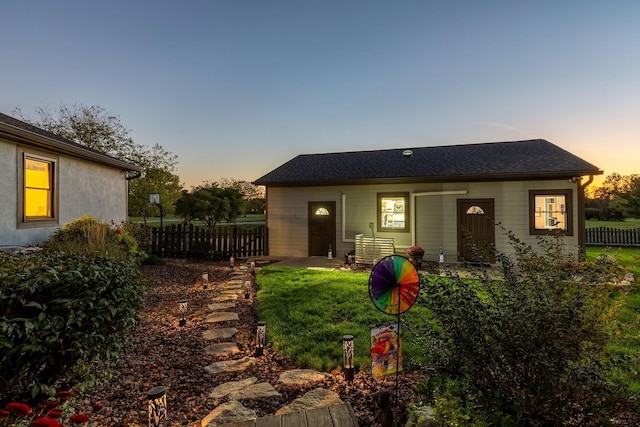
x=446 y=199
x=47 y=181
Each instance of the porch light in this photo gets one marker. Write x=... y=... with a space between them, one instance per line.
x=182 y=306
x=247 y=289
x=205 y=280
x=157 y=398
x=348 y=353
x=261 y=337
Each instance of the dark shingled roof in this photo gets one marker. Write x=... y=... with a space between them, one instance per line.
x=532 y=159
x=25 y=133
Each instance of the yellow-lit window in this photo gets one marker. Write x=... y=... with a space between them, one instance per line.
x=37 y=189
x=551 y=211
x=393 y=212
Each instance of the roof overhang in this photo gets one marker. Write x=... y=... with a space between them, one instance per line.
x=32 y=139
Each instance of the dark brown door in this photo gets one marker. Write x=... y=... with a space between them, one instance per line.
x=476 y=230
x=322 y=228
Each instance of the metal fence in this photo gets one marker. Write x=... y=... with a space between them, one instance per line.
x=605 y=236
x=189 y=241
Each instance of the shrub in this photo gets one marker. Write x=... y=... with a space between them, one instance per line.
x=61 y=312
x=527 y=347
x=88 y=235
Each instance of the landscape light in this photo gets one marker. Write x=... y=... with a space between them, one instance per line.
x=157 y=398
x=247 y=289
x=261 y=337
x=182 y=305
x=348 y=353
x=232 y=262
x=252 y=268
x=205 y=280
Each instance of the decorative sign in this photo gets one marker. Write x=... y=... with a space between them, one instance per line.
x=386 y=350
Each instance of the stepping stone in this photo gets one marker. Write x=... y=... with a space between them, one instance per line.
x=230 y=365
x=221 y=316
x=258 y=391
x=221 y=306
x=222 y=349
x=224 y=389
x=219 y=333
x=302 y=376
x=231 y=292
x=230 y=412
x=235 y=282
x=225 y=298
x=316 y=398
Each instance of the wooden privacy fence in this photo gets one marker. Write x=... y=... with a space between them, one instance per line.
x=189 y=241
x=605 y=236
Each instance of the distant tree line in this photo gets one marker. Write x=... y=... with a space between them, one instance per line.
x=616 y=199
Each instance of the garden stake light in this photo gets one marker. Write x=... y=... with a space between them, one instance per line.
x=205 y=280
x=348 y=353
x=261 y=337
x=232 y=262
x=157 y=398
x=247 y=289
x=183 y=311
x=252 y=268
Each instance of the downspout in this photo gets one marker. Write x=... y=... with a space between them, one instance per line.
x=582 y=254
x=344 y=220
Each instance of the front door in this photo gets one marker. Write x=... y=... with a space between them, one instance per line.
x=322 y=228
x=476 y=230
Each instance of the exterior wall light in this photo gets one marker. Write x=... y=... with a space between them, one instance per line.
x=348 y=353
x=182 y=306
x=157 y=398
x=205 y=280
x=261 y=337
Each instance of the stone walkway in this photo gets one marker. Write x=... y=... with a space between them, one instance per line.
x=222 y=343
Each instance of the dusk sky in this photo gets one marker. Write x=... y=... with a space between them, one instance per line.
x=236 y=88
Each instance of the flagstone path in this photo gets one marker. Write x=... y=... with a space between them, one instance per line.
x=220 y=342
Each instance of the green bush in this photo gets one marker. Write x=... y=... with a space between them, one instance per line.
x=87 y=235
x=60 y=313
x=526 y=350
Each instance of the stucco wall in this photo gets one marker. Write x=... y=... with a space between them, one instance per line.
x=435 y=224
x=85 y=188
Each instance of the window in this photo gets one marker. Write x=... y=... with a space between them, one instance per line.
x=37 y=192
x=393 y=212
x=550 y=211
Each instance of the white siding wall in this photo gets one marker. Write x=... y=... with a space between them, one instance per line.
x=85 y=188
x=436 y=216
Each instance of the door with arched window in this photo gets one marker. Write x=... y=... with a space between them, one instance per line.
x=322 y=228
x=476 y=230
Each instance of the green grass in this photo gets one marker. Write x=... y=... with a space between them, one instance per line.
x=307 y=313
x=626 y=224
x=172 y=219
x=625 y=347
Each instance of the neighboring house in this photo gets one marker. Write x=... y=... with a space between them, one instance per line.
x=440 y=198
x=47 y=181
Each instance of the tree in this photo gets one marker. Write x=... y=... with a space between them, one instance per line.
x=96 y=128
x=630 y=203
x=210 y=204
x=252 y=195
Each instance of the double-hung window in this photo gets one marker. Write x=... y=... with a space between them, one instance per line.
x=37 y=189
x=393 y=212
x=551 y=211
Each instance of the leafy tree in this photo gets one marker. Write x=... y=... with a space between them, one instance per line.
x=210 y=204
x=252 y=195
x=630 y=203
x=96 y=128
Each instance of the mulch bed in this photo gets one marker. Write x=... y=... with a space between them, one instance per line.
x=161 y=352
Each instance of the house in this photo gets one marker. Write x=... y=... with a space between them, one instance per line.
x=47 y=181
x=441 y=198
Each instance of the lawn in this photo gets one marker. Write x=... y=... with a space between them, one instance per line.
x=626 y=224
x=172 y=219
x=309 y=311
